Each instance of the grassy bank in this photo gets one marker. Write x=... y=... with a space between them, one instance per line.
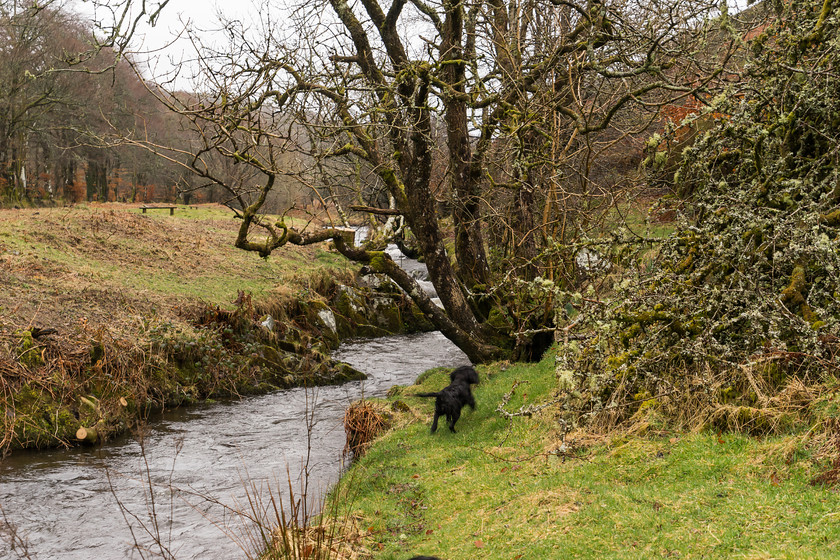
x=107 y=313
x=64 y=264
x=511 y=488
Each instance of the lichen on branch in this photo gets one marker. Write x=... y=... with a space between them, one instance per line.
x=753 y=270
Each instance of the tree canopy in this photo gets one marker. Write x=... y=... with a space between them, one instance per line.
x=479 y=120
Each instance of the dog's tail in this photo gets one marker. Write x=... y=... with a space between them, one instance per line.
x=425 y=395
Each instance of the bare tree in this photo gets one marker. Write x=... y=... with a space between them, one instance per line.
x=28 y=89
x=515 y=87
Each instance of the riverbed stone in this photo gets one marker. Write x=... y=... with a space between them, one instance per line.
x=365 y=313
x=321 y=320
x=387 y=314
x=328 y=319
x=346 y=372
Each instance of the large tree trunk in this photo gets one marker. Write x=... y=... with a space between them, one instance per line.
x=458 y=323
x=469 y=243
x=470 y=341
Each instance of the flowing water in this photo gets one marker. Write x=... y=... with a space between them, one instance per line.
x=66 y=503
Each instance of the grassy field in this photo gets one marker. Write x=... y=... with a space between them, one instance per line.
x=104 y=263
x=513 y=489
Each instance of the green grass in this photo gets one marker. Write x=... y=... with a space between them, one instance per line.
x=493 y=490
x=189 y=254
x=635 y=216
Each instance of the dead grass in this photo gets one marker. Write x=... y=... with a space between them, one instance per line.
x=769 y=396
x=363 y=422
x=557 y=503
x=111 y=265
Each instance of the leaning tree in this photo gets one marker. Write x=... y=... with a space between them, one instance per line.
x=457 y=116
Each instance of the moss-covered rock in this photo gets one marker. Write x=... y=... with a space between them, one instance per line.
x=356 y=316
x=319 y=320
x=376 y=308
x=349 y=312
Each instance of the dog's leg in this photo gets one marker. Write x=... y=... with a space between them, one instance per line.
x=434 y=422
x=453 y=418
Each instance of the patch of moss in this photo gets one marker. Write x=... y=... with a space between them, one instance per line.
x=28 y=351
x=729 y=394
x=345 y=372
x=831 y=219
x=630 y=333
x=498 y=320
x=793 y=296
x=40 y=422
x=378 y=261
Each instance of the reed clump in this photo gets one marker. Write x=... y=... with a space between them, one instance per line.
x=363 y=421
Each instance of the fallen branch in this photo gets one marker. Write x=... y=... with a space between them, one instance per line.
x=528 y=411
x=379 y=211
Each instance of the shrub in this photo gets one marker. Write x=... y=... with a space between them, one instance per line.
x=754 y=274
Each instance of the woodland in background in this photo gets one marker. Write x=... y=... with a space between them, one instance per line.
x=62 y=96
x=55 y=98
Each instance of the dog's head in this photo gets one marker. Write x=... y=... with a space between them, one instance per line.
x=466 y=374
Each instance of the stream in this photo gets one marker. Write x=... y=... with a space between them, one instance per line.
x=65 y=503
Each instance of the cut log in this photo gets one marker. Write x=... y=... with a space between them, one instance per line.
x=87 y=435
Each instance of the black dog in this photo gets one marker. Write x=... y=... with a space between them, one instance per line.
x=451 y=399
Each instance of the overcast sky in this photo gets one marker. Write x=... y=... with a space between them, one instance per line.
x=159 y=44
x=160 y=48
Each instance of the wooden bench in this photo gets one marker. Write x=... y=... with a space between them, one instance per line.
x=170 y=208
